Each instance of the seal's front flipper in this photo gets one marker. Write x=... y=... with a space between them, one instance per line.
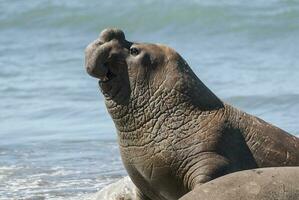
x=208 y=167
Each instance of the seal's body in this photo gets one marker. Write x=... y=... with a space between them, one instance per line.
x=174 y=133
x=258 y=184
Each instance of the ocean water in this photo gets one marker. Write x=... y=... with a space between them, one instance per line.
x=57 y=140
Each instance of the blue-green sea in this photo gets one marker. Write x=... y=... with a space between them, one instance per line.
x=57 y=140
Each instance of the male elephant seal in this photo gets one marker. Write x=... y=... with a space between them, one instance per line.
x=174 y=133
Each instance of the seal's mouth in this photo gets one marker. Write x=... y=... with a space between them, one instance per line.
x=108 y=76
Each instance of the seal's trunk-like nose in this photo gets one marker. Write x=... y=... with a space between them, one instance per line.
x=112 y=33
x=97 y=52
x=95 y=55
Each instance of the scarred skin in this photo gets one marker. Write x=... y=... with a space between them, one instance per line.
x=278 y=183
x=174 y=134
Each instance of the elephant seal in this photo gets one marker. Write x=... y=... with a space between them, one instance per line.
x=174 y=134
x=259 y=184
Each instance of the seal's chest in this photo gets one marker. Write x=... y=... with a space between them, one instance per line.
x=159 y=176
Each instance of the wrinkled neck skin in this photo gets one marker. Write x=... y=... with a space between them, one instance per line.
x=140 y=120
x=152 y=125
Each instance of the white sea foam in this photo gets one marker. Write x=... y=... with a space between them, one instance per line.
x=120 y=190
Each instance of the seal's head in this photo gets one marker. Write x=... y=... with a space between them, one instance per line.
x=123 y=66
x=142 y=72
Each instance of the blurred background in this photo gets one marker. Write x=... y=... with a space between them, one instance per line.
x=57 y=140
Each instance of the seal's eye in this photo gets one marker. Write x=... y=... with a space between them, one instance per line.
x=134 y=51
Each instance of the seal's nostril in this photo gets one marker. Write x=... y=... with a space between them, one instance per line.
x=98 y=42
x=112 y=33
